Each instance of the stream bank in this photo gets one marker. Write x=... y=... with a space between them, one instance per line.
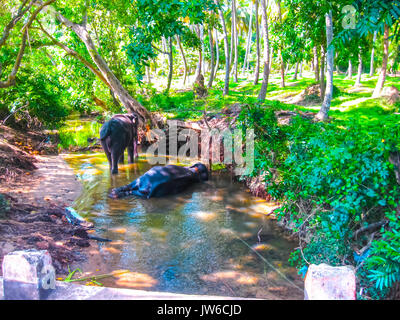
x=36 y=186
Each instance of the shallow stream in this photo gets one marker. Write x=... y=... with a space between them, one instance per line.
x=215 y=238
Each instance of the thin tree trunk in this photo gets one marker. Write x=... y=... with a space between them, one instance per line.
x=217 y=53
x=322 y=69
x=148 y=76
x=371 y=68
x=301 y=70
x=226 y=48
x=323 y=112
x=170 y=64
x=248 y=45
x=257 y=68
x=350 y=70
x=232 y=36
x=360 y=67
x=210 y=36
x=271 y=58
x=235 y=39
x=316 y=64
x=296 y=69
x=264 y=86
x=178 y=39
x=382 y=75
x=203 y=61
x=200 y=62
x=280 y=49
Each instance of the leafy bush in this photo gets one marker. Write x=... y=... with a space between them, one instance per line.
x=332 y=179
x=44 y=96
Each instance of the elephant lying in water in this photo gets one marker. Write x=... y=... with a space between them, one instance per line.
x=117 y=134
x=161 y=181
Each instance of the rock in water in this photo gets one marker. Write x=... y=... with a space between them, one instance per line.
x=324 y=282
x=74 y=218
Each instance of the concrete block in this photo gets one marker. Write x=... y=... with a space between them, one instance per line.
x=28 y=275
x=324 y=282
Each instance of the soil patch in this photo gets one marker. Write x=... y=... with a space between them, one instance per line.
x=34 y=192
x=26 y=226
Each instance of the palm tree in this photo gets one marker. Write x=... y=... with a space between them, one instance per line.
x=226 y=47
x=323 y=112
x=382 y=75
x=257 y=68
x=264 y=86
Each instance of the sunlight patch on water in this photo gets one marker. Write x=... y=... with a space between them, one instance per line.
x=232 y=275
x=205 y=216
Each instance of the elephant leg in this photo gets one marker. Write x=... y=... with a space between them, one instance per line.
x=106 y=151
x=115 y=156
x=135 y=151
x=131 y=158
x=121 y=158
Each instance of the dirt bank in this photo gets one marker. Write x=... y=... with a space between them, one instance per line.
x=34 y=192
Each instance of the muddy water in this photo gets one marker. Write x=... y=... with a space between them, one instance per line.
x=202 y=241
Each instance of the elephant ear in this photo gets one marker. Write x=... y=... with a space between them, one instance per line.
x=105 y=130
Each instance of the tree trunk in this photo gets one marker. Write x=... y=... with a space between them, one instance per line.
x=248 y=45
x=178 y=39
x=323 y=112
x=170 y=64
x=217 y=53
x=350 y=70
x=271 y=58
x=382 y=75
x=126 y=99
x=316 y=64
x=322 y=75
x=360 y=67
x=203 y=61
x=226 y=48
x=301 y=70
x=200 y=62
x=257 y=68
x=371 y=68
x=264 y=86
x=210 y=36
x=235 y=44
x=280 y=49
x=296 y=69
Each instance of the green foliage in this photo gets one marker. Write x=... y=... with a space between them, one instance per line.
x=384 y=259
x=331 y=179
x=77 y=132
x=157 y=19
x=42 y=92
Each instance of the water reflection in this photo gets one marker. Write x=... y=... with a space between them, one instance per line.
x=187 y=243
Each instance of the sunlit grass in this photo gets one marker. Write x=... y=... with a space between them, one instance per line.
x=77 y=132
x=180 y=104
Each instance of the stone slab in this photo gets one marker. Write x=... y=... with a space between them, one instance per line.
x=325 y=282
x=70 y=291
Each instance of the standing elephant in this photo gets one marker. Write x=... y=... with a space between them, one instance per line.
x=161 y=181
x=117 y=134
